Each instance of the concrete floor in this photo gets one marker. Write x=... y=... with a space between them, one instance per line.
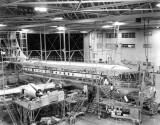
x=91 y=119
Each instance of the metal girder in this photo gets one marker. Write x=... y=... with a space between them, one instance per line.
x=10 y=2
x=76 y=2
x=108 y=18
x=113 y=5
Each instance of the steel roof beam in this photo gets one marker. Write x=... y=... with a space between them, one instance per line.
x=106 y=19
x=76 y=2
x=113 y=5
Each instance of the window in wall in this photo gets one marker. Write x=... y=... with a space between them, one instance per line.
x=94 y=55
x=99 y=35
x=111 y=35
x=147 y=46
x=145 y=63
x=99 y=45
x=148 y=33
x=129 y=35
x=111 y=46
x=128 y=45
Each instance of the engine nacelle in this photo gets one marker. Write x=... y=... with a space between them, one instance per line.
x=31 y=91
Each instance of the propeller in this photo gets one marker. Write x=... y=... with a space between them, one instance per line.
x=39 y=92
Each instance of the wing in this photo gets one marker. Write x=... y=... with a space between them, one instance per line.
x=10 y=91
x=46 y=86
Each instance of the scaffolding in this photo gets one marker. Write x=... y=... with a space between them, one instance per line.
x=30 y=110
x=10 y=53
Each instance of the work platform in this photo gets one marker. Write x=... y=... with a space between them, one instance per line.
x=29 y=110
x=49 y=98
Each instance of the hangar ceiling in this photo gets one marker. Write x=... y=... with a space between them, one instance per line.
x=78 y=15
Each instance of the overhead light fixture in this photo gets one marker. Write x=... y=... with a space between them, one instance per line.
x=59 y=32
x=40 y=9
x=158 y=5
x=118 y=23
x=61 y=28
x=25 y=30
x=54 y=26
x=2 y=25
x=58 y=18
x=107 y=26
x=83 y=31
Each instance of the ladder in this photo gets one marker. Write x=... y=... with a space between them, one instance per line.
x=76 y=108
x=8 y=106
x=14 y=111
x=106 y=91
x=93 y=106
x=78 y=105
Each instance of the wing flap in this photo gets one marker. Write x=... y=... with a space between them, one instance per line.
x=10 y=91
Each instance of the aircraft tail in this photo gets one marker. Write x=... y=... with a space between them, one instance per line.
x=11 y=50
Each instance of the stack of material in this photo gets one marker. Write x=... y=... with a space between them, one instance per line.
x=49 y=120
x=154 y=108
x=46 y=120
x=73 y=96
x=150 y=107
x=72 y=120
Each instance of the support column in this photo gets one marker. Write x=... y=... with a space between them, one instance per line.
x=31 y=117
x=60 y=40
x=45 y=44
x=25 y=113
x=69 y=46
x=41 y=45
x=63 y=108
x=64 y=45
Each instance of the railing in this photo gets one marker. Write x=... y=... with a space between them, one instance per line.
x=56 y=58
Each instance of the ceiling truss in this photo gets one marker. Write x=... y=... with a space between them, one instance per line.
x=77 y=14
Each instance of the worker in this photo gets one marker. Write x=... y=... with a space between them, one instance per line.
x=3 y=53
x=106 y=82
x=85 y=90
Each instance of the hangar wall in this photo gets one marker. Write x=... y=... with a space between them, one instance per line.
x=98 y=47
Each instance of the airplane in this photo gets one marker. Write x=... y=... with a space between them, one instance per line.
x=30 y=91
x=79 y=70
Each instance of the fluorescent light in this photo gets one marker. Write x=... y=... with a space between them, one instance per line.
x=83 y=31
x=59 y=32
x=25 y=30
x=158 y=5
x=61 y=28
x=107 y=26
x=2 y=25
x=58 y=18
x=41 y=9
x=118 y=23
x=54 y=26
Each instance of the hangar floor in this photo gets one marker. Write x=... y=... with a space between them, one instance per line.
x=91 y=119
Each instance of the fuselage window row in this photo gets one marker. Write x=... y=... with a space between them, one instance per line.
x=67 y=73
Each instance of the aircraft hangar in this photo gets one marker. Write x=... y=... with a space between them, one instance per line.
x=79 y=62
